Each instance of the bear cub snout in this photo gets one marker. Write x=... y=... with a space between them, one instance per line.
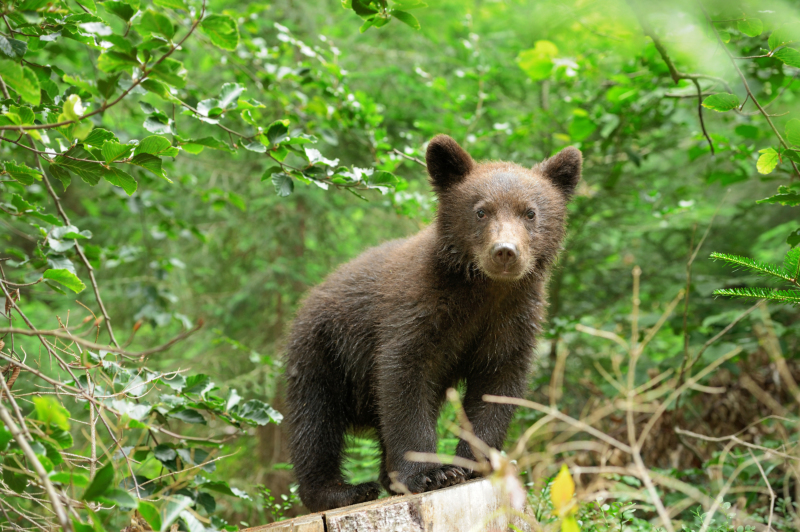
x=379 y=342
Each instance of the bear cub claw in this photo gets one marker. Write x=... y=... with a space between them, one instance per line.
x=436 y=478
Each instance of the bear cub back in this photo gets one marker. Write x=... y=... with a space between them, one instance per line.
x=379 y=342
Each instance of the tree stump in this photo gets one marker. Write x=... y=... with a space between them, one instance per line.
x=477 y=505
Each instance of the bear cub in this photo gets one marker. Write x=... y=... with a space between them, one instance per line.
x=379 y=342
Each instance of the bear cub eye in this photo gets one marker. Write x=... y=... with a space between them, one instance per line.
x=481 y=214
x=530 y=215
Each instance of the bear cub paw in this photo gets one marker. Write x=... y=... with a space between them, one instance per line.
x=368 y=491
x=436 y=478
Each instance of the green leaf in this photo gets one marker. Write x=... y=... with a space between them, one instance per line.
x=222 y=30
x=258 y=412
x=170 y=71
x=98 y=136
x=101 y=483
x=150 y=514
x=120 y=9
x=120 y=498
x=793 y=131
x=767 y=161
x=48 y=410
x=22 y=79
x=367 y=24
x=151 y=163
x=65 y=277
x=794 y=238
x=537 y=62
x=363 y=8
x=751 y=26
x=790 y=56
x=783 y=35
x=785 y=196
x=406 y=18
x=113 y=150
x=13 y=48
x=158 y=123
x=188 y=415
x=158 y=88
x=125 y=181
x=153 y=145
x=164 y=453
x=153 y=22
x=62 y=174
x=255 y=146
x=284 y=185
x=280 y=153
x=276 y=133
x=112 y=61
x=192 y=145
x=229 y=94
x=22 y=173
x=89 y=171
x=721 y=102
x=62 y=438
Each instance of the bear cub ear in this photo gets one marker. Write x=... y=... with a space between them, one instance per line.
x=448 y=163
x=564 y=170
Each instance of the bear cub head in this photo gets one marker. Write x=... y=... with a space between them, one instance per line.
x=500 y=219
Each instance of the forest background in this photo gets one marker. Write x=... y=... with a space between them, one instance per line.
x=176 y=175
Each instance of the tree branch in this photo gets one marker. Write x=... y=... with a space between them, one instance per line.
x=59 y=333
x=78 y=247
x=145 y=72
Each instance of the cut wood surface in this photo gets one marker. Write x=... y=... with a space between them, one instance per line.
x=477 y=505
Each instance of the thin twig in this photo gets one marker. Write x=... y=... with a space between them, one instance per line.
x=410 y=158
x=700 y=114
x=769 y=487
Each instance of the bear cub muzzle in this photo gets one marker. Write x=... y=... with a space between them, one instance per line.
x=379 y=342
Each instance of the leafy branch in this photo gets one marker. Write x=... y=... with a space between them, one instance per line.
x=788 y=272
x=146 y=70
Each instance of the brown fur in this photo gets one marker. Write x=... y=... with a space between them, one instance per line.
x=380 y=341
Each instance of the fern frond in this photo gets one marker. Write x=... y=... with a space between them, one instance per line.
x=791 y=263
x=756 y=266
x=785 y=296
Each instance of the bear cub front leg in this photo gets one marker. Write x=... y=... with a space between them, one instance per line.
x=409 y=425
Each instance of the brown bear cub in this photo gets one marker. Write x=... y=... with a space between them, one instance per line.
x=381 y=340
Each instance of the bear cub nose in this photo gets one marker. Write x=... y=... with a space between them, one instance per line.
x=504 y=253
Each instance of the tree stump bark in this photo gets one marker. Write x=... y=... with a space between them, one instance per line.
x=473 y=506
